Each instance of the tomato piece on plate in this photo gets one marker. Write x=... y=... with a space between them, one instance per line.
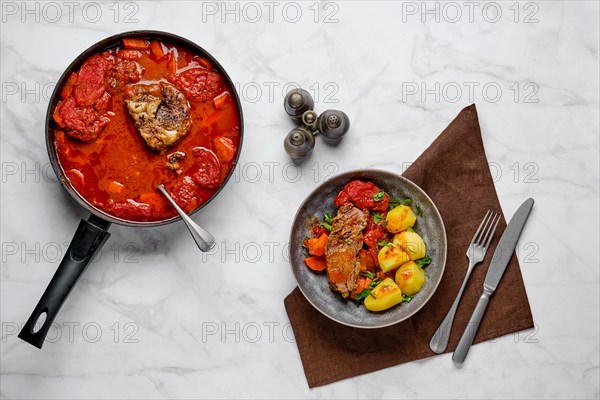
x=363 y=195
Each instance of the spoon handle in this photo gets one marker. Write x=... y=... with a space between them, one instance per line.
x=203 y=239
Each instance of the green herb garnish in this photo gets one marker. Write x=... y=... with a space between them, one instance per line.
x=419 y=211
x=304 y=248
x=406 y=299
x=380 y=244
x=368 y=274
x=348 y=241
x=395 y=203
x=326 y=226
x=410 y=229
x=363 y=295
x=379 y=195
x=328 y=218
x=421 y=262
x=373 y=284
x=377 y=217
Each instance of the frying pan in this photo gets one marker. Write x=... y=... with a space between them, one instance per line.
x=91 y=235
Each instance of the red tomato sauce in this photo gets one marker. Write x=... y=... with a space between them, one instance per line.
x=104 y=156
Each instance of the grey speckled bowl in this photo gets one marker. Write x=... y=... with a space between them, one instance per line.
x=314 y=285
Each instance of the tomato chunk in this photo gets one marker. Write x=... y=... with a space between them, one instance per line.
x=208 y=171
x=81 y=123
x=199 y=84
x=91 y=81
x=364 y=195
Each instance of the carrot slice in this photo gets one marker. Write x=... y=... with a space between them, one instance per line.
x=68 y=88
x=220 y=100
x=157 y=50
x=316 y=246
x=136 y=44
x=316 y=263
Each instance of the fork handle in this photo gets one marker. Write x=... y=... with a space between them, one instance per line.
x=441 y=337
x=471 y=330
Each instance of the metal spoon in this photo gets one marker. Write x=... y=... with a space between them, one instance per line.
x=203 y=239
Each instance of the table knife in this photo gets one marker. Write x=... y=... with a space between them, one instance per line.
x=502 y=256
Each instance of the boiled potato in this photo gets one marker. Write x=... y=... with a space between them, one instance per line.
x=384 y=296
x=400 y=219
x=410 y=278
x=411 y=243
x=391 y=257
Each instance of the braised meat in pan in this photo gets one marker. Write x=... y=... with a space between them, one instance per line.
x=161 y=114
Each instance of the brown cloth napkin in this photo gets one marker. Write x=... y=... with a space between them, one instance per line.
x=454 y=172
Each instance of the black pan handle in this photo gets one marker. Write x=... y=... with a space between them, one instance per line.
x=89 y=238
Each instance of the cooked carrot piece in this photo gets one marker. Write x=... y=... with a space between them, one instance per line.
x=220 y=100
x=115 y=187
x=128 y=54
x=224 y=148
x=136 y=44
x=361 y=284
x=213 y=117
x=316 y=263
x=56 y=115
x=203 y=62
x=172 y=63
x=157 y=50
x=316 y=246
x=68 y=88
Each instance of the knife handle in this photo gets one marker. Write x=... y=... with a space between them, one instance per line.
x=471 y=330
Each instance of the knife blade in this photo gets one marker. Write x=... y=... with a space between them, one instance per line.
x=502 y=255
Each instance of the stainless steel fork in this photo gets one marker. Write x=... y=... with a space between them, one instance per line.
x=475 y=253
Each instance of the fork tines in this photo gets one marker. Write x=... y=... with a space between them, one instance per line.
x=486 y=229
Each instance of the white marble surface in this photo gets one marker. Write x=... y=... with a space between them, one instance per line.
x=174 y=323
